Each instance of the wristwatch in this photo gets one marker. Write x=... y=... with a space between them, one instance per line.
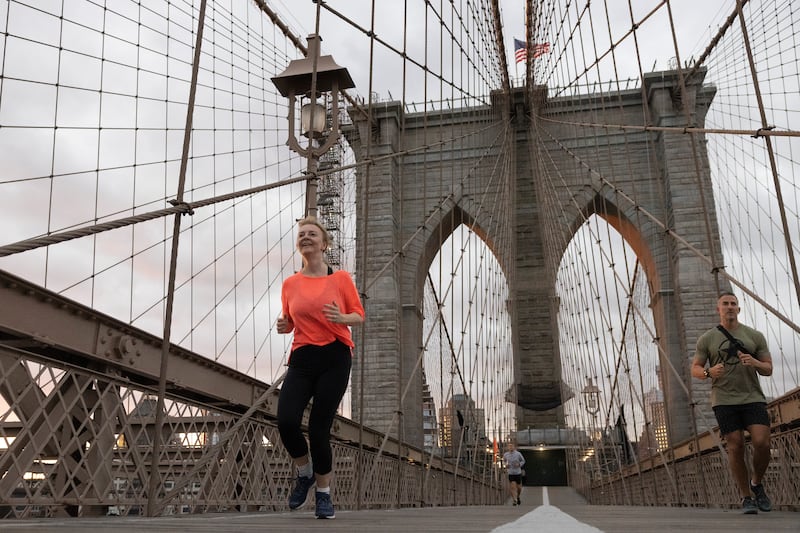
x=706 y=373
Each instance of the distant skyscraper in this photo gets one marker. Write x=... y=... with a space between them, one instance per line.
x=654 y=436
x=463 y=426
x=429 y=425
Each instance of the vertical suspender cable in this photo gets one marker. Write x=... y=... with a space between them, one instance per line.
x=155 y=477
x=362 y=274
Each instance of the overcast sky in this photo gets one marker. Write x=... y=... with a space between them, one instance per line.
x=695 y=23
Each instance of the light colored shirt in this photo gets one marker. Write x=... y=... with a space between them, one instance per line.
x=738 y=384
x=514 y=462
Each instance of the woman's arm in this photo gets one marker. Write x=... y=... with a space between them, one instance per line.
x=349 y=311
x=334 y=314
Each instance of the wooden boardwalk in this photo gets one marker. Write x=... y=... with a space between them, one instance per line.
x=557 y=509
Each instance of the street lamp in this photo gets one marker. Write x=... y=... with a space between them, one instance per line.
x=307 y=79
x=591 y=394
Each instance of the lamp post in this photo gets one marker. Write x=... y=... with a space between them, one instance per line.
x=307 y=79
x=591 y=395
x=591 y=401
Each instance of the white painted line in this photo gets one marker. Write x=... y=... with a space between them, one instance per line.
x=546 y=518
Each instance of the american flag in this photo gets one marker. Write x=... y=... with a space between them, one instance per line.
x=540 y=49
x=521 y=50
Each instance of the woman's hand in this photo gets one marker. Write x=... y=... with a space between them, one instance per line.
x=335 y=315
x=332 y=313
x=284 y=325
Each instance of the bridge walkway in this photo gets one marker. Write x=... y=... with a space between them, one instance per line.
x=543 y=509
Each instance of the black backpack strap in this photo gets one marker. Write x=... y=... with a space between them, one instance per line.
x=727 y=334
x=330 y=270
x=734 y=341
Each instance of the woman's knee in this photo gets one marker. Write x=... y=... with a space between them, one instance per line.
x=289 y=427
x=286 y=427
x=319 y=436
x=287 y=419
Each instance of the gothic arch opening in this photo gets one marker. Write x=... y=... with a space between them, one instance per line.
x=468 y=359
x=607 y=335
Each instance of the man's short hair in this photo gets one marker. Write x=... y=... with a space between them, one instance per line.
x=727 y=293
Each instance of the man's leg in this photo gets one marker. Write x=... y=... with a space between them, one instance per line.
x=759 y=438
x=735 y=440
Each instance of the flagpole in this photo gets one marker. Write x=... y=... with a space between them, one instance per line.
x=525 y=26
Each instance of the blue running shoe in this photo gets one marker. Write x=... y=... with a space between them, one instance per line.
x=324 y=506
x=299 y=493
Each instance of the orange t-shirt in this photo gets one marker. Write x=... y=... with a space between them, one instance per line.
x=302 y=298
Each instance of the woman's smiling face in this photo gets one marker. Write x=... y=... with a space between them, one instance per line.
x=310 y=239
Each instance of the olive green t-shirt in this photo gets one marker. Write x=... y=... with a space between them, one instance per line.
x=738 y=384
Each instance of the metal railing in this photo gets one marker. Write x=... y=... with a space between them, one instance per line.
x=79 y=417
x=695 y=473
x=85 y=448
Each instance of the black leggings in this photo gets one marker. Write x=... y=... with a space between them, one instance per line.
x=321 y=373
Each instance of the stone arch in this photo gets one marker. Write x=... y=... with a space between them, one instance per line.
x=621 y=220
x=444 y=227
x=410 y=216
